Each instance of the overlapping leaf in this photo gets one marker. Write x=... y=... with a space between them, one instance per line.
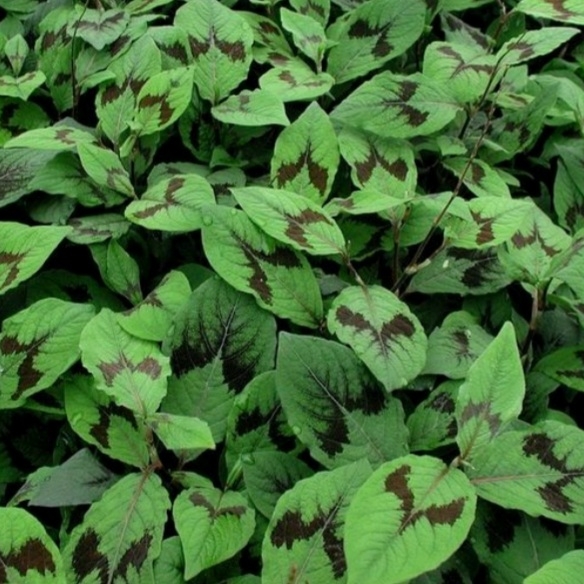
x=480 y=178
x=181 y=432
x=99 y=27
x=382 y=331
x=105 y=168
x=58 y=137
x=334 y=406
x=417 y=507
x=565 y=11
x=565 y=365
x=252 y=108
x=534 y=43
x=278 y=277
x=121 y=534
x=97 y=228
x=317 y=9
x=37 y=345
x=21 y=87
x=562 y=570
x=304 y=540
x=307 y=33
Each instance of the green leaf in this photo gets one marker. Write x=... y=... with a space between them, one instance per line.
x=564 y=365
x=99 y=27
x=492 y=394
x=121 y=534
x=220 y=41
x=213 y=526
x=181 y=432
x=397 y=106
x=221 y=341
x=411 y=507
x=172 y=204
x=252 y=108
x=317 y=9
x=307 y=33
x=534 y=43
x=292 y=219
x=21 y=87
x=16 y=50
x=382 y=331
x=99 y=421
x=539 y=471
x=372 y=34
x=306 y=155
x=362 y=203
x=480 y=178
x=105 y=168
x=562 y=570
x=295 y=81
x=279 y=278
x=152 y=318
x=58 y=137
x=162 y=100
x=27 y=553
x=304 y=540
x=37 y=345
x=131 y=370
x=97 y=228
x=24 y=249
x=334 y=406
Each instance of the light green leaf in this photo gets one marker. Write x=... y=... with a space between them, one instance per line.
x=295 y=81
x=252 y=108
x=564 y=365
x=397 y=106
x=334 y=406
x=59 y=137
x=411 y=507
x=308 y=34
x=98 y=27
x=16 y=50
x=279 y=278
x=213 y=526
x=382 y=331
x=292 y=219
x=105 y=168
x=181 y=432
x=562 y=570
x=97 y=228
x=21 y=87
x=363 y=203
x=172 y=204
x=534 y=43
x=317 y=9
x=220 y=41
x=492 y=394
x=306 y=155
x=480 y=178
x=131 y=370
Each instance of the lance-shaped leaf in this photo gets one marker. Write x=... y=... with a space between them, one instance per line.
x=181 y=432
x=295 y=81
x=461 y=271
x=459 y=32
x=534 y=43
x=27 y=553
x=172 y=204
x=372 y=34
x=382 y=331
x=306 y=155
x=414 y=506
x=252 y=108
x=266 y=32
x=152 y=318
x=569 y=11
x=562 y=570
x=454 y=346
x=569 y=189
x=21 y=87
x=131 y=370
x=334 y=406
x=514 y=545
x=58 y=137
x=220 y=41
x=37 y=345
x=162 y=100
x=16 y=50
x=213 y=526
x=492 y=394
x=308 y=34
x=565 y=365
x=480 y=178
x=99 y=421
x=99 y=27
x=221 y=341
x=97 y=228
x=121 y=534
x=539 y=471
x=317 y=9
x=432 y=424
x=380 y=164
x=105 y=168
x=292 y=219
x=279 y=278
x=397 y=106
x=24 y=249
x=304 y=540
x=362 y=203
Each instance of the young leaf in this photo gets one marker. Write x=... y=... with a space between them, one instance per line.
x=292 y=219
x=16 y=50
x=105 y=168
x=414 y=506
x=539 y=471
x=382 y=331
x=97 y=228
x=221 y=341
x=334 y=406
x=372 y=34
x=213 y=526
x=279 y=278
x=131 y=370
x=397 y=106
x=480 y=178
x=252 y=108
x=317 y=9
x=98 y=27
x=37 y=345
x=306 y=155
x=564 y=365
x=492 y=394
x=181 y=432
x=534 y=43
x=220 y=41
x=24 y=249
x=304 y=540
x=21 y=87
x=27 y=553
x=562 y=570
x=121 y=534
x=308 y=34
x=295 y=81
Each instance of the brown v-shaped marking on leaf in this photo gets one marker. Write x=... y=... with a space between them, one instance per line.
x=406 y=91
x=174 y=184
x=363 y=29
x=135 y=556
x=31 y=555
x=296 y=223
x=86 y=558
x=317 y=173
x=199 y=500
x=398 y=168
x=28 y=375
x=235 y=51
x=149 y=366
x=13 y=260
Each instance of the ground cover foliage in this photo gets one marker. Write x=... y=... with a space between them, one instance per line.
x=291 y=291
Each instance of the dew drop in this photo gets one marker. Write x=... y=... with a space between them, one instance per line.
x=207 y=220
x=297 y=430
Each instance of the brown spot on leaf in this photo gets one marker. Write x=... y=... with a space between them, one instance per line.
x=362 y=29
x=100 y=430
x=482 y=411
x=442 y=403
x=166 y=110
x=317 y=173
x=31 y=555
x=477 y=173
x=13 y=259
x=445 y=514
x=406 y=91
x=398 y=168
x=525 y=49
x=111 y=93
x=199 y=500
x=176 y=51
x=149 y=366
x=63 y=136
x=235 y=51
x=541 y=446
x=296 y=223
x=28 y=375
x=134 y=556
x=485 y=224
x=520 y=241
x=500 y=527
x=86 y=558
x=553 y=497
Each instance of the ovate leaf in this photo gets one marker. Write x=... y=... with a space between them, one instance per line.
x=480 y=178
x=565 y=365
x=382 y=330
x=105 y=168
x=181 y=432
x=534 y=43
x=58 y=137
x=562 y=570
x=307 y=33
x=252 y=108
x=21 y=87
x=97 y=228
x=569 y=11
x=99 y=27
x=414 y=506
